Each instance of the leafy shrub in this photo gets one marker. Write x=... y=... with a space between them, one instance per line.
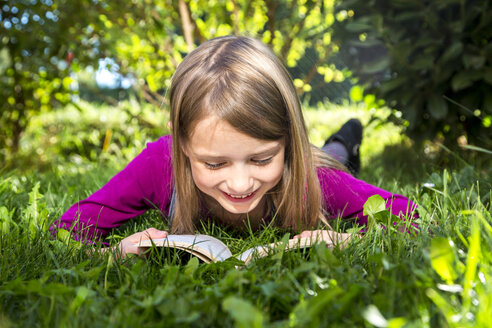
x=90 y=132
x=432 y=60
x=41 y=44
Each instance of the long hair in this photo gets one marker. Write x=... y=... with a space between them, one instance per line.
x=241 y=81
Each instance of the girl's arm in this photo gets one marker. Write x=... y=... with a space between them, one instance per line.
x=145 y=183
x=344 y=196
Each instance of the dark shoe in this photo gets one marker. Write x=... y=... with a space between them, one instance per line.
x=350 y=135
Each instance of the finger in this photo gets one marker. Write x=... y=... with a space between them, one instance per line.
x=152 y=233
x=158 y=234
x=150 y=230
x=303 y=234
x=307 y=234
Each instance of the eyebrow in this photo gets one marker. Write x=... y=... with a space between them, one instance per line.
x=272 y=151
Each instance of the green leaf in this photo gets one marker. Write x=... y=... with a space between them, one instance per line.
x=373 y=205
x=152 y=83
x=374 y=317
x=191 y=266
x=446 y=308
x=487 y=75
x=375 y=66
x=476 y=148
x=6 y=221
x=464 y=79
x=356 y=93
x=357 y=27
x=392 y=84
x=437 y=107
x=404 y=4
x=5 y=61
x=487 y=103
x=453 y=51
x=369 y=43
x=397 y=322
x=407 y=15
x=472 y=261
x=475 y=62
x=307 y=312
x=425 y=62
x=443 y=258
x=245 y=315
x=63 y=235
x=82 y=293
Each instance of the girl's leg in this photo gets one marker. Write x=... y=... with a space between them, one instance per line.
x=344 y=145
x=336 y=150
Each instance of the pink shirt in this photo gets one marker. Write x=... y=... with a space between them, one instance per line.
x=146 y=183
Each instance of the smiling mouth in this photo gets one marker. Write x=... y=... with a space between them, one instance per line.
x=240 y=198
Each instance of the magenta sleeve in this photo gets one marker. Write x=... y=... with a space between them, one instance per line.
x=145 y=183
x=344 y=196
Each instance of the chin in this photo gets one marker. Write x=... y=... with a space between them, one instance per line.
x=240 y=209
x=236 y=210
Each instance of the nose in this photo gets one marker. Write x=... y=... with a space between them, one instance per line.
x=240 y=181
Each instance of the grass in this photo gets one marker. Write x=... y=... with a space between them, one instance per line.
x=438 y=278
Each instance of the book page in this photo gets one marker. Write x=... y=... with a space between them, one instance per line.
x=265 y=250
x=205 y=247
x=331 y=240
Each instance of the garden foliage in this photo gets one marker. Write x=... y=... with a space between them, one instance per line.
x=432 y=60
x=43 y=43
x=438 y=277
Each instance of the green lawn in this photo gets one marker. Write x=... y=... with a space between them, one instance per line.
x=441 y=277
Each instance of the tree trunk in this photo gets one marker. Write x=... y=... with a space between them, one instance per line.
x=17 y=121
x=187 y=25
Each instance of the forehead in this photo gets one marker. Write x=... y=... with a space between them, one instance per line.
x=213 y=136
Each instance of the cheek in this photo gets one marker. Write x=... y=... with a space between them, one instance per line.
x=274 y=174
x=202 y=177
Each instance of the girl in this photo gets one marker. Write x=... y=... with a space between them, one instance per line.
x=239 y=151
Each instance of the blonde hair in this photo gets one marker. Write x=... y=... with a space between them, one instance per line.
x=241 y=81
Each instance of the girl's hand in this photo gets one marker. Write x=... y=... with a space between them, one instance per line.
x=130 y=243
x=328 y=236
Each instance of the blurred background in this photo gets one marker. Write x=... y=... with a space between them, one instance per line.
x=85 y=81
x=83 y=88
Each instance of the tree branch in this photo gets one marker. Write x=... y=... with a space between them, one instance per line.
x=290 y=37
x=186 y=24
x=235 y=21
x=312 y=72
x=271 y=8
x=153 y=97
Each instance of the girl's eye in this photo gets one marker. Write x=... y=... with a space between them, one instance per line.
x=214 y=166
x=262 y=161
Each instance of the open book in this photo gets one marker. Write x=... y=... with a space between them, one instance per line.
x=210 y=249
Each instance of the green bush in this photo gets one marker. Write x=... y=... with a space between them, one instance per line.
x=41 y=44
x=89 y=132
x=432 y=60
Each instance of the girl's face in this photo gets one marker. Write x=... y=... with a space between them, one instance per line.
x=231 y=167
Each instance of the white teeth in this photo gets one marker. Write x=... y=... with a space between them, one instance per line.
x=240 y=197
